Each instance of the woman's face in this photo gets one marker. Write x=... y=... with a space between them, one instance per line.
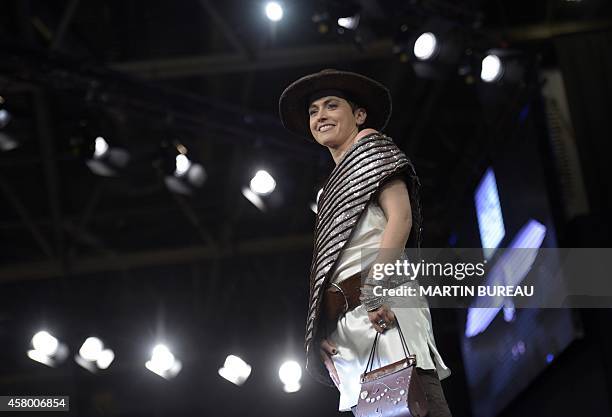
x=333 y=122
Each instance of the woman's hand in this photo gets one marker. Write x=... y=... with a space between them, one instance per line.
x=382 y=318
x=327 y=350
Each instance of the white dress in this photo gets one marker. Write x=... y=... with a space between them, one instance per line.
x=354 y=333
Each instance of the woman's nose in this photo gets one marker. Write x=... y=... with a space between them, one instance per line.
x=321 y=115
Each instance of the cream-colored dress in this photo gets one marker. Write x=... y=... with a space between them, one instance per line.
x=354 y=333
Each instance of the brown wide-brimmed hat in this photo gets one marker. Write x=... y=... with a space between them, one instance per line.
x=365 y=92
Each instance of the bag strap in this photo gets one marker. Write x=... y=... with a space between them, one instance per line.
x=370 y=362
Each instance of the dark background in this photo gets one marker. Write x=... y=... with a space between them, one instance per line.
x=127 y=260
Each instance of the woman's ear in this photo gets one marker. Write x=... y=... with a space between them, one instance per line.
x=360 y=116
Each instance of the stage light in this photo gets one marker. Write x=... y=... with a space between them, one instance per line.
x=261 y=191
x=186 y=175
x=492 y=69
x=163 y=362
x=47 y=349
x=92 y=355
x=235 y=370
x=105 y=358
x=182 y=165
x=435 y=50
x=162 y=358
x=107 y=161
x=7 y=141
x=425 y=46
x=274 y=11
x=290 y=374
x=262 y=183
x=5 y=118
x=45 y=343
x=100 y=147
x=350 y=22
x=92 y=347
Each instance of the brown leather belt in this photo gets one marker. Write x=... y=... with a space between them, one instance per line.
x=342 y=298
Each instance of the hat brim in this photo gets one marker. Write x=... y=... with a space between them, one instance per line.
x=366 y=92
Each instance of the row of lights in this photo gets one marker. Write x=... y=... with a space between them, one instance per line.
x=186 y=176
x=427 y=46
x=93 y=356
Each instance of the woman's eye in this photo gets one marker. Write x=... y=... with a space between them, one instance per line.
x=332 y=106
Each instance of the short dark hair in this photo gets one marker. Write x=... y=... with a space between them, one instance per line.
x=354 y=107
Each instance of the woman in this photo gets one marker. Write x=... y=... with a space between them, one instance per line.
x=370 y=201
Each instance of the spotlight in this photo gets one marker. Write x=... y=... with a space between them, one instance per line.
x=260 y=189
x=47 y=349
x=502 y=66
x=100 y=147
x=491 y=69
x=425 y=46
x=290 y=374
x=262 y=183
x=436 y=50
x=105 y=358
x=107 y=161
x=7 y=142
x=350 y=22
x=5 y=118
x=92 y=355
x=235 y=370
x=274 y=11
x=186 y=176
x=163 y=362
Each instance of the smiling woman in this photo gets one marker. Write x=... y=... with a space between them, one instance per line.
x=370 y=201
x=335 y=123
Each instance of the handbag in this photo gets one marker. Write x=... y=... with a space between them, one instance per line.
x=394 y=390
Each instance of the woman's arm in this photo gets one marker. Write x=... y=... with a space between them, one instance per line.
x=395 y=203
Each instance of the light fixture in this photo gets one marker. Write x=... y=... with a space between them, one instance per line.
x=274 y=11
x=503 y=67
x=5 y=118
x=107 y=161
x=163 y=362
x=435 y=50
x=262 y=183
x=7 y=141
x=491 y=69
x=349 y=22
x=290 y=374
x=184 y=176
x=47 y=349
x=92 y=355
x=235 y=370
x=425 y=46
x=259 y=191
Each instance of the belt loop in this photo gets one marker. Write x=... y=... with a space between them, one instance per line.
x=346 y=303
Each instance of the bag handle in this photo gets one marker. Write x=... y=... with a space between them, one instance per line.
x=370 y=362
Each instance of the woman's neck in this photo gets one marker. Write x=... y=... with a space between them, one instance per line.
x=338 y=153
